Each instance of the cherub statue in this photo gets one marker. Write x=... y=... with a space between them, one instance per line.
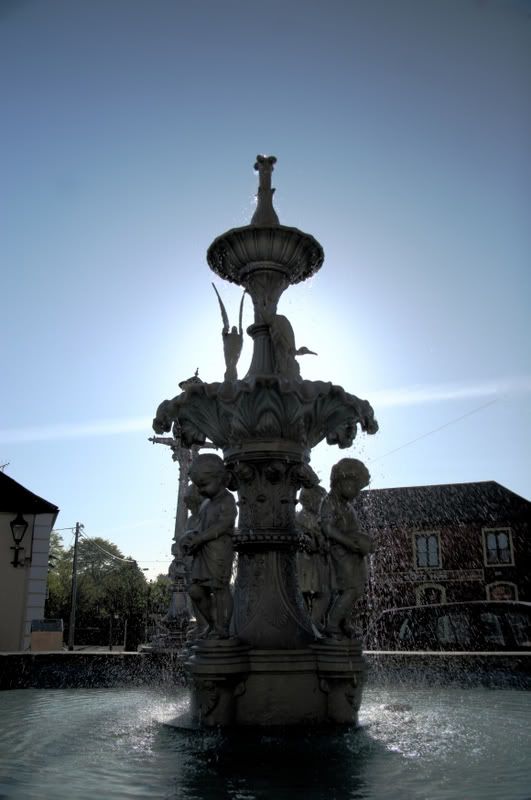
x=232 y=340
x=192 y=500
x=348 y=545
x=210 y=545
x=312 y=562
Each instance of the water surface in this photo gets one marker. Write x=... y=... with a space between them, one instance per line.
x=445 y=744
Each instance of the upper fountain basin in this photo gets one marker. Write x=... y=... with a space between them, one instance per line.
x=240 y=251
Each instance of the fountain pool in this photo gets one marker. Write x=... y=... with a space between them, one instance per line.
x=448 y=744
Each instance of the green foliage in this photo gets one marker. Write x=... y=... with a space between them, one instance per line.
x=56 y=549
x=106 y=586
x=59 y=579
x=158 y=602
x=160 y=594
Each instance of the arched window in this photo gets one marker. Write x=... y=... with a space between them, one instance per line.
x=502 y=591
x=430 y=593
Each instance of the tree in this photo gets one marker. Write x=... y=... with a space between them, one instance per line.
x=160 y=594
x=124 y=594
x=158 y=598
x=59 y=579
x=108 y=586
x=56 y=549
x=54 y=597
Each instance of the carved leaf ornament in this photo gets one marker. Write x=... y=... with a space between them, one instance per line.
x=267 y=407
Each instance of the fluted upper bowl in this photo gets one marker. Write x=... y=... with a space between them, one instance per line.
x=240 y=250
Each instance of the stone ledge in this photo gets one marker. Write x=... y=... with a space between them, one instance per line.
x=82 y=669
x=85 y=670
x=425 y=669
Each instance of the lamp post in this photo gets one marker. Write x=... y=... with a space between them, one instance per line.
x=18 y=526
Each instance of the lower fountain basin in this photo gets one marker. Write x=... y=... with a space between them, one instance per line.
x=440 y=744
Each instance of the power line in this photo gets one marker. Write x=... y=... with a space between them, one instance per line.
x=95 y=544
x=112 y=555
x=89 y=539
x=435 y=430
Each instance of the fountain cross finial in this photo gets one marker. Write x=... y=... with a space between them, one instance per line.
x=265 y=213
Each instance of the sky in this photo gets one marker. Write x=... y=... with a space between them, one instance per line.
x=129 y=133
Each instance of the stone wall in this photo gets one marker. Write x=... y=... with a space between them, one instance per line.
x=76 y=670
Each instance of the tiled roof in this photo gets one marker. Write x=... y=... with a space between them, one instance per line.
x=14 y=498
x=485 y=501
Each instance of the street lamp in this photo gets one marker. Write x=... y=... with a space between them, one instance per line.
x=18 y=526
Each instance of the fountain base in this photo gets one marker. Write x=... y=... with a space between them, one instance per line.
x=235 y=684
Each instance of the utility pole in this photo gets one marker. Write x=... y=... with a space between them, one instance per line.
x=73 y=597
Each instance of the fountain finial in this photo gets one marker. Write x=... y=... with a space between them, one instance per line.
x=265 y=213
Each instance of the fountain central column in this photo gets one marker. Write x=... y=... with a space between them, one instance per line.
x=268 y=608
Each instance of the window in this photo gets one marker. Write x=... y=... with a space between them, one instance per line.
x=502 y=591
x=405 y=634
x=454 y=629
x=492 y=629
x=430 y=593
x=498 y=546
x=520 y=624
x=427 y=551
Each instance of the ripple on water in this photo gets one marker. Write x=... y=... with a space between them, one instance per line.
x=447 y=744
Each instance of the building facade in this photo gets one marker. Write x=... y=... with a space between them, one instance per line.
x=24 y=563
x=447 y=543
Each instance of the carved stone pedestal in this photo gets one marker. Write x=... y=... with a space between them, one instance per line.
x=282 y=688
x=232 y=684
x=217 y=669
x=173 y=636
x=342 y=673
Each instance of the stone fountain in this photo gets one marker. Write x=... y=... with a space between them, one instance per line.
x=268 y=663
x=262 y=661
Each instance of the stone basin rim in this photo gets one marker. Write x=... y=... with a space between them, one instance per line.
x=296 y=253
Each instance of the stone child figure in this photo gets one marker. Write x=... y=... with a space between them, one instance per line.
x=179 y=570
x=192 y=501
x=210 y=545
x=312 y=562
x=348 y=545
